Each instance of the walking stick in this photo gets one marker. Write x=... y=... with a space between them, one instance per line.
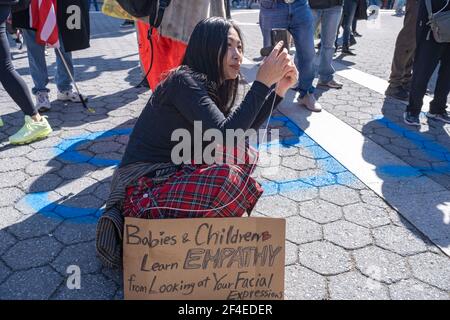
x=91 y=110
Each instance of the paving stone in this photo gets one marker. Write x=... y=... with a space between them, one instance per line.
x=300 y=194
x=10 y=216
x=104 y=174
x=41 y=168
x=35 y=226
x=6 y=241
x=368 y=196
x=398 y=240
x=381 y=265
x=354 y=286
x=75 y=187
x=42 y=154
x=347 y=234
x=415 y=290
x=82 y=255
x=300 y=230
x=291 y=253
x=75 y=171
x=303 y=284
x=33 y=284
x=4 y=271
x=320 y=211
x=104 y=147
x=339 y=195
x=43 y=183
x=432 y=269
x=12 y=164
x=280 y=174
x=276 y=207
x=324 y=258
x=93 y=287
x=32 y=253
x=71 y=232
x=366 y=215
x=15 y=152
x=298 y=163
x=12 y=178
x=8 y=196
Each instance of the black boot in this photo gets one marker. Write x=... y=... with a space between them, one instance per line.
x=346 y=50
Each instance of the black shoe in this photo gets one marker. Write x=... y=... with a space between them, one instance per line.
x=352 y=41
x=266 y=51
x=397 y=92
x=411 y=120
x=346 y=50
x=356 y=34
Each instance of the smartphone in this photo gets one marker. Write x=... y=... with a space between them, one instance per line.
x=278 y=35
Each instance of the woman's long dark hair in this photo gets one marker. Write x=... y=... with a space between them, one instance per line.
x=204 y=55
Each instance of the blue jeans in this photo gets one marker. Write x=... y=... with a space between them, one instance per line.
x=93 y=2
x=347 y=20
x=329 y=19
x=38 y=65
x=297 y=18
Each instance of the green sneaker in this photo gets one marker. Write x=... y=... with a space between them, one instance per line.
x=1 y=122
x=31 y=131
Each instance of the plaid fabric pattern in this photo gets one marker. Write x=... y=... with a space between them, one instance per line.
x=220 y=190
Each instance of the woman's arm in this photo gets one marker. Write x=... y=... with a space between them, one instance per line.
x=266 y=109
x=193 y=102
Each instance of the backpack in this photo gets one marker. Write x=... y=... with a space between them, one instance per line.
x=439 y=23
x=154 y=9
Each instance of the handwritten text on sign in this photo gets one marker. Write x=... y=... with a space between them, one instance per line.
x=215 y=258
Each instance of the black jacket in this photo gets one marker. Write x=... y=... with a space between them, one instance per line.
x=179 y=101
x=324 y=4
x=73 y=39
x=8 y=2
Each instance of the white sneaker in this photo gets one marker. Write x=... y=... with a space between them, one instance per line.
x=309 y=101
x=69 y=95
x=42 y=101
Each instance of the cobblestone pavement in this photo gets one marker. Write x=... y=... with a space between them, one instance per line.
x=342 y=240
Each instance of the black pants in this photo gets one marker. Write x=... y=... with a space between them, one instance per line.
x=428 y=55
x=10 y=79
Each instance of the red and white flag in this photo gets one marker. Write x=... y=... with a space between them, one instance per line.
x=43 y=19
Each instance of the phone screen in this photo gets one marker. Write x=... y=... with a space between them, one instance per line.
x=278 y=35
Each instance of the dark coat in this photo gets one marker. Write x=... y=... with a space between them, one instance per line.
x=361 y=10
x=73 y=39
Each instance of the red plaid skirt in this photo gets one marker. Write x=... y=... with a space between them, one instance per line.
x=217 y=190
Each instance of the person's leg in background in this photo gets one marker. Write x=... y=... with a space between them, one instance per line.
x=62 y=77
x=35 y=127
x=439 y=103
x=272 y=15
x=301 y=26
x=354 y=31
x=426 y=59
x=348 y=15
x=402 y=62
x=330 y=19
x=38 y=70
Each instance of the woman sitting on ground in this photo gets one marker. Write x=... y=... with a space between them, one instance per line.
x=148 y=184
x=202 y=89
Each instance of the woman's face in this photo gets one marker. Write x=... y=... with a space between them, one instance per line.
x=233 y=58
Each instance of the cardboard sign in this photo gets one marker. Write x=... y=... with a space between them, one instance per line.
x=204 y=258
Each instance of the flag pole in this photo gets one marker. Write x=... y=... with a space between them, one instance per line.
x=91 y=110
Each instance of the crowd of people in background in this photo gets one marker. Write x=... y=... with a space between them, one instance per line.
x=413 y=64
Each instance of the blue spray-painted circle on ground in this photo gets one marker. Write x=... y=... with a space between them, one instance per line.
x=67 y=150
x=333 y=172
